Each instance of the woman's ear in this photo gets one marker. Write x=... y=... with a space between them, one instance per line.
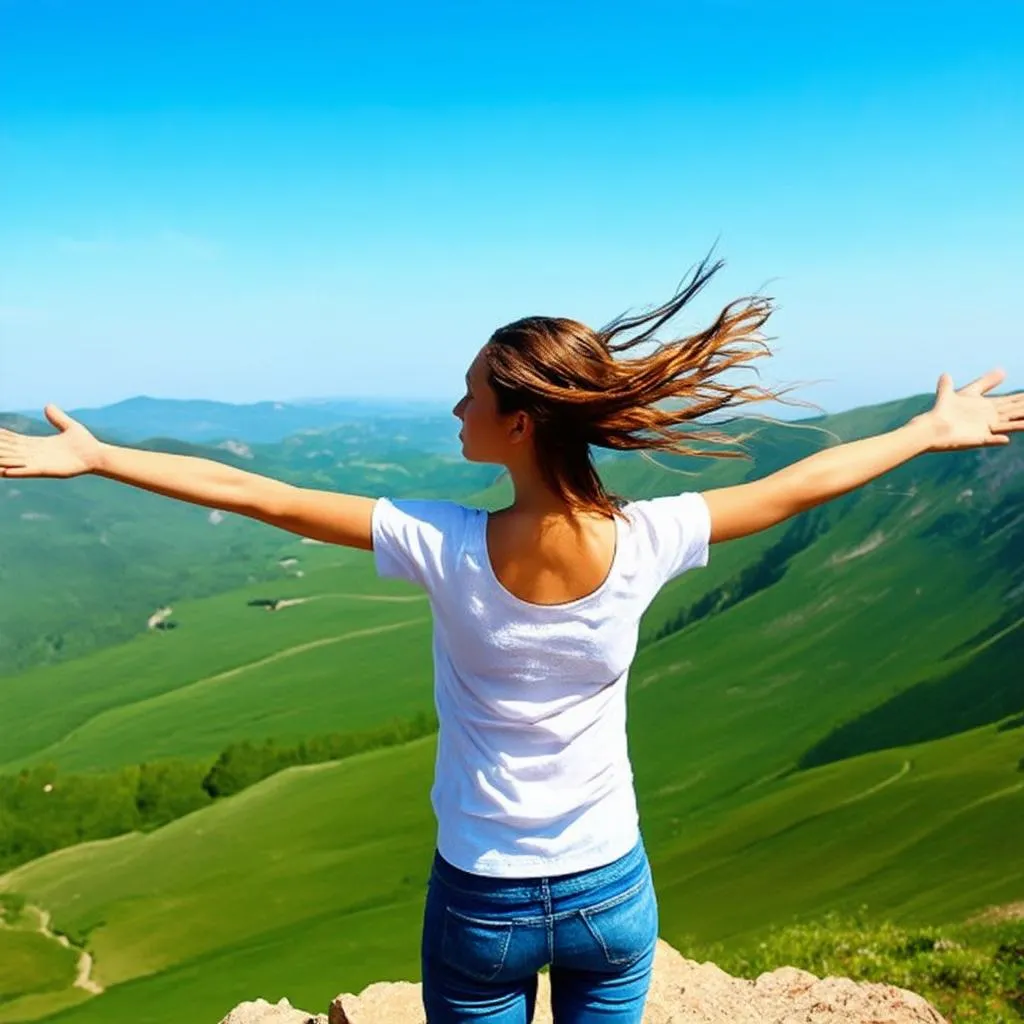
x=522 y=427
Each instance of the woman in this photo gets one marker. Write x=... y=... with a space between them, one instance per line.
x=539 y=857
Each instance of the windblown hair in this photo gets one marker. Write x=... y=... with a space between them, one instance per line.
x=578 y=394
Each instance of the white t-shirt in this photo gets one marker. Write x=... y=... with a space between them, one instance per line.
x=532 y=775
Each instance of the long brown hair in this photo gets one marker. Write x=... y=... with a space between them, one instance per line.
x=566 y=376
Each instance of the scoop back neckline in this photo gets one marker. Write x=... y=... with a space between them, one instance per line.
x=485 y=558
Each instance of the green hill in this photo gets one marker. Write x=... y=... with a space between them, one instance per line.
x=91 y=559
x=828 y=715
x=348 y=657
x=300 y=886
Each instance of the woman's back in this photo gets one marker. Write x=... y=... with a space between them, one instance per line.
x=553 y=561
x=533 y=774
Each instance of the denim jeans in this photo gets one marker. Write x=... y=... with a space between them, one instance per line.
x=485 y=939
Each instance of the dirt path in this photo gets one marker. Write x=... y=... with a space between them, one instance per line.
x=997 y=795
x=83 y=977
x=287 y=653
x=881 y=785
x=387 y=598
x=230 y=673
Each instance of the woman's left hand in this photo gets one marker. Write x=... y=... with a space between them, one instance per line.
x=967 y=418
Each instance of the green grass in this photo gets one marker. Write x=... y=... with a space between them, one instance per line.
x=31 y=962
x=969 y=972
x=302 y=887
x=36 y=973
x=923 y=834
x=301 y=884
x=229 y=671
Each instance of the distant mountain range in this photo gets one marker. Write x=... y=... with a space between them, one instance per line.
x=204 y=422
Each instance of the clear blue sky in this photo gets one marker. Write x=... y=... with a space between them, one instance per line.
x=256 y=200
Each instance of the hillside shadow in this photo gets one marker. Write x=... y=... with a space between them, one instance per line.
x=986 y=689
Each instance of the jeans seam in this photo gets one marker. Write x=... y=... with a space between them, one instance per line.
x=491 y=921
x=549 y=922
x=615 y=900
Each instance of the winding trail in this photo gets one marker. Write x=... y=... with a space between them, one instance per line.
x=881 y=785
x=288 y=652
x=82 y=979
x=83 y=976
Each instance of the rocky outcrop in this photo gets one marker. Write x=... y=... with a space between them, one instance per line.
x=259 y=1011
x=682 y=992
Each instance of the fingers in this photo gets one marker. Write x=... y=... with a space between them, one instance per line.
x=12 y=452
x=984 y=383
x=1009 y=412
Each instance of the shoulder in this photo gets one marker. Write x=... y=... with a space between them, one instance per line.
x=678 y=510
x=415 y=538
x=673 y=531
x=431 y=514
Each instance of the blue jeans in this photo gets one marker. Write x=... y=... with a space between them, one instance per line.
x=485 y=939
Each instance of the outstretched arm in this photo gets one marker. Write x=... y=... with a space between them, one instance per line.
x=959 y=419
x=323 y=515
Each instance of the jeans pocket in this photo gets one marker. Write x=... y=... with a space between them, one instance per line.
x=625 y=926
x=473 y=945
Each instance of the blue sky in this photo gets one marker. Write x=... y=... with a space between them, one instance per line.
x=270 y=201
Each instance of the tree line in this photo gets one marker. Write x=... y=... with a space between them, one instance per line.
x=43 y=809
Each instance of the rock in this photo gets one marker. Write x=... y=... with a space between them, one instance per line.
x=262 y=1012
x=381 y=1002
x=682 y=992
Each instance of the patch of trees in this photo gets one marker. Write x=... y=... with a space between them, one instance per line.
x=242 y=764
x=43 y=809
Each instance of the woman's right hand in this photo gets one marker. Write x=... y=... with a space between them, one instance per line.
x=72 y=452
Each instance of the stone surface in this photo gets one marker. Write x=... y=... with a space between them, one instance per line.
x=682 y=992
x=259 y=1011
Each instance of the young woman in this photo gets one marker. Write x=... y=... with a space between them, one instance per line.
x=539 y=857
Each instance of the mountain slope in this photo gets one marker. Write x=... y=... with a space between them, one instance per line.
x=89 y=559
x=301 y=887
x=769 y=711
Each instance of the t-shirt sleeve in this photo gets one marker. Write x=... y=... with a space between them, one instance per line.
x=413 y=538
x=679 y=532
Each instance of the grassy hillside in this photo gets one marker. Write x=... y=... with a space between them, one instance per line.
x=301 y=887
x=89 y=559
x=349 y=656
x=828 y=716
x=35 y=971
x=223 y=905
